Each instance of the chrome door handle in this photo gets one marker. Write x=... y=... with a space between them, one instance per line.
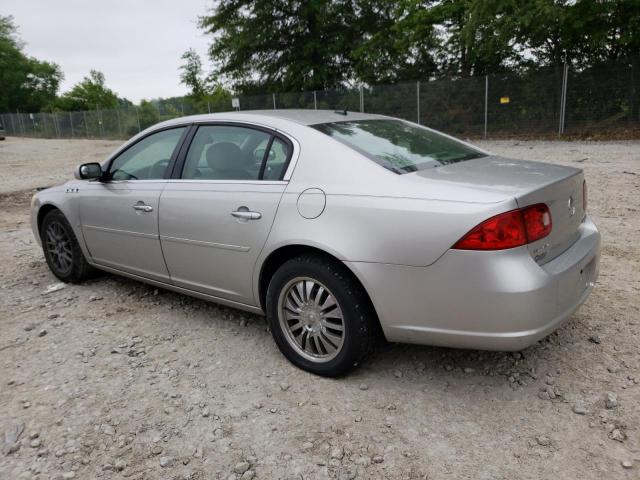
x=143 y=208
x=247 y=215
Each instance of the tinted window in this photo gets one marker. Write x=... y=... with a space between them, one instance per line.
x=397 y=145
x=148 y=159
x=223 y=152
x=277 y=160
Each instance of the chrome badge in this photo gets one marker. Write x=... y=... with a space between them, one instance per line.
x=571 y=204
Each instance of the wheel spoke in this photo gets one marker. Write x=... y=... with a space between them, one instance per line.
x=318 y=296
x=292 y=303
x=296 y=326
x=338 y=327
x=300 y=292
x=328 y=347
x=329 y=304
x=334 y=339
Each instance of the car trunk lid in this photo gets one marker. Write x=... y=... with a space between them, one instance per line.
x=559 y=187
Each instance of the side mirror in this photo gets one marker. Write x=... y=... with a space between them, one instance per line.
x=88 y=171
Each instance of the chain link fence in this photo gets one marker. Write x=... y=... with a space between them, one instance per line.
x=547 y=102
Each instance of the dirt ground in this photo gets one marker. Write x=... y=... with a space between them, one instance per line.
x=115 y=379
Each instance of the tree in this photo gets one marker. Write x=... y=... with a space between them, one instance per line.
x=89 y=94
x=394 y=42
x=282 y=45
x=191 y=73
x=26 y=83
x=148 y=114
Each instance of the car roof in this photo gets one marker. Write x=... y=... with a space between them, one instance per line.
x=300 y=116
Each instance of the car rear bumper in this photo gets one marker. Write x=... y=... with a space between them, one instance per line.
x=499 y=300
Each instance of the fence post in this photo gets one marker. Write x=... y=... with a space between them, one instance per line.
x=100 y=123
x=119 y=122
x=315 y=101
x=418 y=100
x=486 y=103
x=71 y=123
x=564 y=106
x=563 y=99
x=274 y=100
x=361 y=99
x=208 y=106
x=138 y=117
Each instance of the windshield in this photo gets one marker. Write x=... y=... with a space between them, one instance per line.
x=398 y=145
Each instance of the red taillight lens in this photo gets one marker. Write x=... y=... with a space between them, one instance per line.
x=584 y=196
x=502 y=231
x=509 y=229
x=537 y=221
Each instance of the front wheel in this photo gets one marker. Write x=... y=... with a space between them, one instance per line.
x=320 y=317
x=62 y=250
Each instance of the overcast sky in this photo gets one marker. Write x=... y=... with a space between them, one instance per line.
x=137 y=44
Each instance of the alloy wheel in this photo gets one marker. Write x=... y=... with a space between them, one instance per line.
x=311 y=319
x=58 y=245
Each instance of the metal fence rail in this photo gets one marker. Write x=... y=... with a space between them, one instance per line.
x=553 y=101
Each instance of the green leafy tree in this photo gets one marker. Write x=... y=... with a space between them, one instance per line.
x=26 y=84
x=89 y=94
x=191 y=73
x=148 y=114
x=394 y=42
x=282 y=45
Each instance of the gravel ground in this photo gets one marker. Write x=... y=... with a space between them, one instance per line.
x=116 y=379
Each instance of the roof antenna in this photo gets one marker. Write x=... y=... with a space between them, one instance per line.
x=341 y=112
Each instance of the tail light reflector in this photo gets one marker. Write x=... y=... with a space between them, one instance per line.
x=508 y=230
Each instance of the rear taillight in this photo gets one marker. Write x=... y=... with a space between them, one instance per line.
x=508 y=230
x=584 y=196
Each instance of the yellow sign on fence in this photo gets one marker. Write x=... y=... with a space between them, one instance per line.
x=504 y=100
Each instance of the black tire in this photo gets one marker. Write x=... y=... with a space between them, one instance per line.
x=358 y=315
x=73 y=267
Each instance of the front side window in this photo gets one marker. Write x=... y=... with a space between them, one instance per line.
x=227 y=152
x=148 y=159
x=397 y=145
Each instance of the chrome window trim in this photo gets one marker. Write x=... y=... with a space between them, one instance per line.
x=225 y=182
x=285 y=179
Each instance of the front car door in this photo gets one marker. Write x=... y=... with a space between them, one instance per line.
x=119 y=215
x=215 y=218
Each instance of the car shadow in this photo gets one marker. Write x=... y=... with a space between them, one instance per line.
x=405 y=365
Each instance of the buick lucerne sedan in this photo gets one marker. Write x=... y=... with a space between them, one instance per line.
x=337 y=226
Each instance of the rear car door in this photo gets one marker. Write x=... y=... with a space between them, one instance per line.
x=119 y=215
x=216 y=215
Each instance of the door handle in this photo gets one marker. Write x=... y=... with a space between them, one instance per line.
x=143 y=208
x=247 y=215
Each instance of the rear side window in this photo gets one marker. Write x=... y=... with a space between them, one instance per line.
x=277 y=160
x=397 y=145
x=224 y=152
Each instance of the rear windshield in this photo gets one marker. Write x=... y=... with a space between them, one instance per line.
x=397 y=145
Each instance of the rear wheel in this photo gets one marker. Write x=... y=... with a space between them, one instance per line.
x=319 y=315
x=62 y=250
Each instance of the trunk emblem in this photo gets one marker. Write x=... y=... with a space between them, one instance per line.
x=571 y=204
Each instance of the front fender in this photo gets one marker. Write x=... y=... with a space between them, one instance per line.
x=65 y=198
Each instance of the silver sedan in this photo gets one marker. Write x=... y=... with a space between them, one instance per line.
x=339 y=226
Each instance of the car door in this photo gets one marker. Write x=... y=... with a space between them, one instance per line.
x=216 y=216
x=119 y=214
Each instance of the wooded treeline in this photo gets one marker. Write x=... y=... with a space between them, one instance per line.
x=279 y=46
x=292 y=45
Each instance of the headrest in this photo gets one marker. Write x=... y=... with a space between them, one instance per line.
x=224 y=156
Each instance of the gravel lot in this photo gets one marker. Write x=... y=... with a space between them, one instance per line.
x=116 y=379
